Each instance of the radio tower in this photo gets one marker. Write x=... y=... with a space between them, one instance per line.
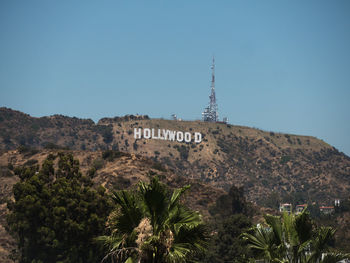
x=210 y=113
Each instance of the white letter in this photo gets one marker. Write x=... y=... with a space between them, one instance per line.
x=153 y=136
x=187 y=137
x=146 y=133
x=179 y=136
x=159 y=135
x=166 y=134
x=171 y=135
x=137 y=133
x=197 y=137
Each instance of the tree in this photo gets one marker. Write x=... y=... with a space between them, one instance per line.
x=226 y=245
x=292 y=238
x=230 y=219
x=56 y=214
x=150 y=225
x=232 y=203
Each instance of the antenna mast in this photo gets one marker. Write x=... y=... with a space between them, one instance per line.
x=210 y=113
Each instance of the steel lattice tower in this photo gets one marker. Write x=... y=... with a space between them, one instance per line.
x=211 y=112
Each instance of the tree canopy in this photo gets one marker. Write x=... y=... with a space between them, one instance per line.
x=231 y=217
x=152 y=225
x=56 y=213
x=293 y=238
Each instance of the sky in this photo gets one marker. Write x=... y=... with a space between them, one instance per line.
x=281 y=65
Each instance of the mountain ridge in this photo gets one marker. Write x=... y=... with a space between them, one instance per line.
x=261 y=161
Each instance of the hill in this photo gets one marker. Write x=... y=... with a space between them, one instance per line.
x=267 y=164
x=272 y=167
x=113 y=170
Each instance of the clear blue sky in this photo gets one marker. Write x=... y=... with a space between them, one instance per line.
x=281 y=65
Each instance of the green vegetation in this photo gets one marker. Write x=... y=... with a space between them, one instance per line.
x=135 y=146
x=215 y=132
x=111 y=155
x=273 y=200
x=183 y=150
x=151 y=225
x=105 y=131
x=30 y=162
x=56 y=214
x=226 y=245
x=293 y=238
x=97 y=164
x=231 y=215
x=285 y=159
x=158 y=166
x=5 y=171
x=53 y=146
x=27 y=150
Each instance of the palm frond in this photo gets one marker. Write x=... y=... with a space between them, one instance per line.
x=176 y=195
x=290 y=235
x=154 y=197
x=320 y=243
x=130 y=214
x=334 y=257
x=303 y=226
x=111 y=242
x=130 y=260
x=275 y=223
x=178 y=253
x=260 y=240
x=183 y=217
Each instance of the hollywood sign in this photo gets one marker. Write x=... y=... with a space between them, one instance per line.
x=168 y=135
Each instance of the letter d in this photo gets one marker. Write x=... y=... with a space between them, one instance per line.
x=197 y=137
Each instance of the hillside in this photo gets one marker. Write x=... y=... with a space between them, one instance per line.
x=114 y=172
x=263 y=162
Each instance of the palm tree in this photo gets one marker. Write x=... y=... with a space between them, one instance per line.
x=292 y=238
x=151 y=225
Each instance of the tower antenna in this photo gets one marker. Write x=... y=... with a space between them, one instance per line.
x=210 y=113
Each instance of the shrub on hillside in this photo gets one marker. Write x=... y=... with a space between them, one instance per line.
x=111 y=155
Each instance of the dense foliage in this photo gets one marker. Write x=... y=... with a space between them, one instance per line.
x=151 y=225
x=226 y=244
x=231 y=217
x=56 y=214
x=293 y=238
